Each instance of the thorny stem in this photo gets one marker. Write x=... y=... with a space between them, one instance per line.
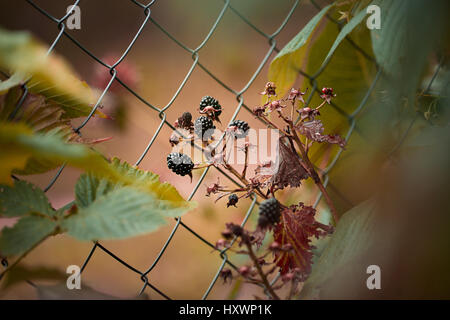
x=243 y=180
x=314 y=174
x=273 y=125
x=321 y=105
x=245 y=163
x=259 y=269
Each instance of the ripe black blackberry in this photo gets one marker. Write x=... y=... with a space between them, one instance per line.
x=208 y=101
x=204 y=128
x=180 y=163
x=232 y=200
x=269 y=213
x=241 y=128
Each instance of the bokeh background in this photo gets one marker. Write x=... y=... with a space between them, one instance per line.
x=233 y=54
x=411 y=181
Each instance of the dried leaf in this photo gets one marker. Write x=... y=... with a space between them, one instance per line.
x=289 y=171
x=296 y=227
x=313 y=130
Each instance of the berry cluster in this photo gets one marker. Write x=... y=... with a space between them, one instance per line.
x=203 y=127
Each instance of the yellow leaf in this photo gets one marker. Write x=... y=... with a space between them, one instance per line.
x=49 y=75
x=284 y=67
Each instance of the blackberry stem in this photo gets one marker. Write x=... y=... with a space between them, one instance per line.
x=314 y=174
x=261 y=273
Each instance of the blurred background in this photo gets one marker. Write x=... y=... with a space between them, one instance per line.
x=409 y=173
x=156 y=67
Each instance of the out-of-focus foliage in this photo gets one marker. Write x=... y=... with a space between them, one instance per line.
x=113 y=198
x=353 y=236
x=48 y=75
x=22 y=144
x=42 y=116
x=284 y=67
x=124 y=204
x=396 y=130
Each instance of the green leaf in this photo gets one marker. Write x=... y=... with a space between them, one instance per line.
x=283 y=69
x=43 y=117
x=353 y=236
x=132 y=203
x=49 y=75
x=89 y=188
x=22 y=199
x=344 y=32
x=90 y=185
x=21 y=273
x=22 y=144
x=149 y=182
x=410 y=31
x=9 y=83
x=348 y=72
x=121 y=213
x=25 y=234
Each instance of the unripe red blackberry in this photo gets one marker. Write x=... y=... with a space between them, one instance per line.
x=209 y=101
x=180 y=163
x=241 y=128
x=204 y=128
x=269 y=213
x=185 y=121
x=327 y=91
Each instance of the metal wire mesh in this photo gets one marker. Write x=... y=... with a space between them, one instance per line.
x=115 y=76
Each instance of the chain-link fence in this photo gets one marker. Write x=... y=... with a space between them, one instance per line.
x=145 y=275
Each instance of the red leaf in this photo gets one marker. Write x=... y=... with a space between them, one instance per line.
x=289 y=172
x=313 y=130
x=296 y=227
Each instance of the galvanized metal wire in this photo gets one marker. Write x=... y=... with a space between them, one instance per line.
x=145 y=275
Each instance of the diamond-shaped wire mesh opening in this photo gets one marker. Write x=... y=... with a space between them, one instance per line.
x=164 y=117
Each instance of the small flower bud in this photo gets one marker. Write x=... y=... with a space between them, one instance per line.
x=244 y=271
x=275 y=246
x=287 y=277
x=221 y=244
x=287 y=247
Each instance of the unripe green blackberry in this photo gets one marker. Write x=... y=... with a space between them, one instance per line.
x=180 y=163
x=209 y=101
x=232 y=200
x=204 y=127
x=241 y=128
x=269 y=213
